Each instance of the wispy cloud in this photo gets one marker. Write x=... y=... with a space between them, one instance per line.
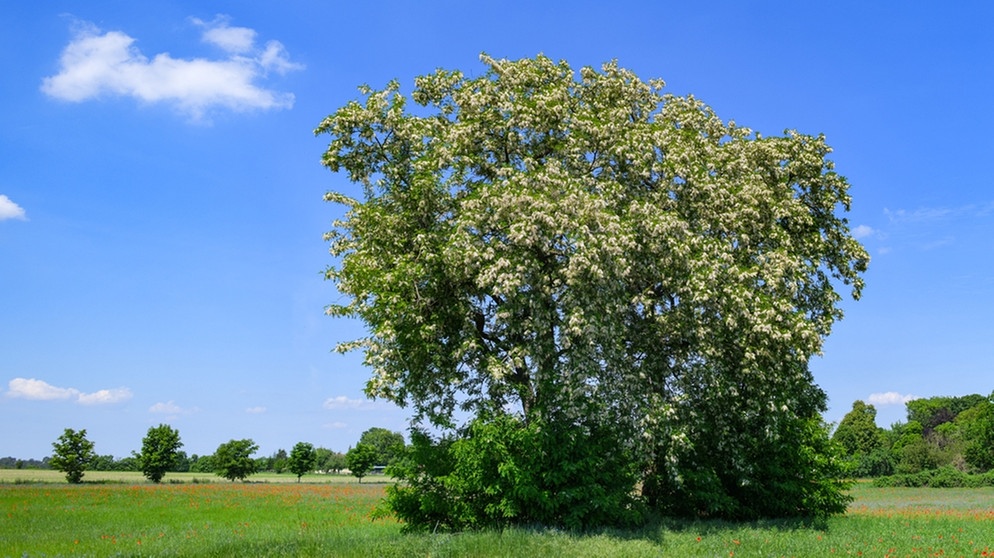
x=236 y=40
x=170 y=408
x=39 y=390
x=929 y=214
x=105 y=396
x=10 y=210
x=862 y=231
x=338 y=425
x=343 y=402
x=919 y=215
x=99 y=64
x=256 y=410
x=889 y=398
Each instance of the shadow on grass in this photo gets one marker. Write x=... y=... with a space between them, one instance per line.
x=656 y=528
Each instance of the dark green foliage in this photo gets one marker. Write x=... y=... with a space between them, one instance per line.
x=277 y=462
x=108 y=463
x=389 y=445
x=361 y=459
x=944 y=431
x=978 y=427
x=328 y=460
x=858 y=433
x=943 y=477
x=302 y=459
x=793 y=470
x=233 y=460
x=183 y=462
x=876 y=463
x=201 y=464
x=915 y=457
x=159 y=452
x=503 y=472
x=72 y=454
x=933 y=411
x=15 y=463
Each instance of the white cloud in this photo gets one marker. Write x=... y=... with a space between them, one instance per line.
x=96 y=64
x=10 y=210
x=343 y=402
x=256 y=410
x=105 y=396
x=862 y=231
x=335 y=425
x=39 y=390
x=238 y=40
x=889 y=398
x=169 y=408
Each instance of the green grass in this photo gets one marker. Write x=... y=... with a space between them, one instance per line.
x=116 y=518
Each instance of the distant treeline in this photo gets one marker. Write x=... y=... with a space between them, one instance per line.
x=15 y=463
x=327 y=461
x=948 y=433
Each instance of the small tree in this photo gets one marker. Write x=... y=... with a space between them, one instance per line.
x=389 y=445
x=233 y=460
x=858 y=433
x=302 y=458
x=72 y=454
x=159 y=453
x=361 y=459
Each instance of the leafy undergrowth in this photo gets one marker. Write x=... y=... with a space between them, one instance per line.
x=334 y=520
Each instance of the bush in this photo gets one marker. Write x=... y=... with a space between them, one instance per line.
x=503 y=472
x=944 y=477
x=796 y=471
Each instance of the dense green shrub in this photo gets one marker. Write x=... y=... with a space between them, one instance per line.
x=793 y=470
x=943 y=477
x=503 y=471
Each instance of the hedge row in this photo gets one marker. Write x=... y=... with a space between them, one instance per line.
x=943 y=477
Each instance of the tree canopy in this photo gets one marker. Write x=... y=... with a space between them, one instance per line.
x=389 y=445
x=858 y=432
x=72 y=454
x=302 y=458
x=233 y=459
x=580 y=260
x=159 y=453
x=361 y=459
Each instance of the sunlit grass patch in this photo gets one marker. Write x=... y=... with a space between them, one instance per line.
x=334 y=519
x=173 y=519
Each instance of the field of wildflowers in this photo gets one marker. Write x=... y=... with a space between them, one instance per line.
x=334 y=519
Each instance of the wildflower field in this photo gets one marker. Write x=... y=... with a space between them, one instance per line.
x=218 y=518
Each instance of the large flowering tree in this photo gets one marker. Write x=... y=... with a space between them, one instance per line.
x=612 y=270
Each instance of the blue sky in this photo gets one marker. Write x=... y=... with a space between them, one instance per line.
x=161 y=210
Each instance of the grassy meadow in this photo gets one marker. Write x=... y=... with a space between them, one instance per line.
x=117 y=514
